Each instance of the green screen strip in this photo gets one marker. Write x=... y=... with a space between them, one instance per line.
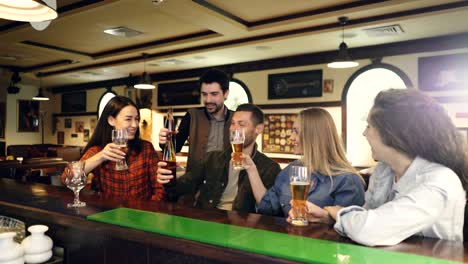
x=258 y=241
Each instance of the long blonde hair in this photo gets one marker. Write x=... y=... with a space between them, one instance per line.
x=323 y=150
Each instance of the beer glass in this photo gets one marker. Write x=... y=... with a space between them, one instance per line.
x=120 y=138
x=75 y=181
x=299 y=179
x=237 y=143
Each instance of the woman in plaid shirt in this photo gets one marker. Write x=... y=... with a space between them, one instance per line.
x=139 y=181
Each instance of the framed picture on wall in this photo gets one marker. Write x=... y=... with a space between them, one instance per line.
x=295 y=84
x=2 y=119
x=60 y=137
x=86 y=135
x=28 y=116
x=74 y=102
x=276 y=133
x=68 y=122
x=79 y=126
x=179 y=93
x=442 y=73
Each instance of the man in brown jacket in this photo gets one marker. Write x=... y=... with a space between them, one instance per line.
x=207 y=128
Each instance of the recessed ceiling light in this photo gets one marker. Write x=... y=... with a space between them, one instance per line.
x=122 y=32
x=8 y=57
x=348 y=35
x=263 y=48
x=157 y=2
x=172 y=62
x=90 y=73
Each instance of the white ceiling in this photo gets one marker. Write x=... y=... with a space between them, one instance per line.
x=200 y=33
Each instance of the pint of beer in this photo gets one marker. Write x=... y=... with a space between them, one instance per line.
x=299 y=179
x=237 y=143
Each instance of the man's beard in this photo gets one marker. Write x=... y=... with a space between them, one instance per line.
x=217 y=108
x=249 y=139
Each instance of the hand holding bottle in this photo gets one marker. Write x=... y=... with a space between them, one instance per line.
x=169 y=154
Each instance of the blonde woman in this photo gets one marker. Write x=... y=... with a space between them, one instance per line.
x=334 y=180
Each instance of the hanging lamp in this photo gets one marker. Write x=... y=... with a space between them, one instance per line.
x=145 y=80
x=26 y=10
x=343 y=60
x=40 y=96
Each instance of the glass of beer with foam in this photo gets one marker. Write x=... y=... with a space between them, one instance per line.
x=237 y=143
x=299 y=179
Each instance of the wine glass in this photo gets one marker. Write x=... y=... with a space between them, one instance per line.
x=237 y=143
x=120 y=138
x=75 y=181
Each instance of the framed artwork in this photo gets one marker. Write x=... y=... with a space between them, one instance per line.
x=60 y=137
x=278 y=128
x=328 y=86
x=86 y=135
x=79 y=126
x=295 y=84
x=92 y=124
x=179 y=93
x=441 y=73
x=2 y=119
x=68 y=123
x=3 y=98
x=74 y=102
x=28 y=116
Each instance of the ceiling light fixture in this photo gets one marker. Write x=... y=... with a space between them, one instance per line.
x=15 y=79
x=145 y=80
x=26 y=10
x=40 y=96
x=344 y=59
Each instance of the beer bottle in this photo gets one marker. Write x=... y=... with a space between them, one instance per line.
x=169 y=154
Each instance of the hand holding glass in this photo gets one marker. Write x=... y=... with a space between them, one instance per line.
x=237 y=143
x=75 y=181
x=120 y=138
x=299 y=179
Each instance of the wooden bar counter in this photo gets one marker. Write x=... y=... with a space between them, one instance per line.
x=88 y=241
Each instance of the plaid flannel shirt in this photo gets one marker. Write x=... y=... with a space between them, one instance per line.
x=138 y=182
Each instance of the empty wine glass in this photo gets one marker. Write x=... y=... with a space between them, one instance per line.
x=120 y=138
x=75 y=181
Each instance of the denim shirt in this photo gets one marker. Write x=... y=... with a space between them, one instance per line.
x=343 y=190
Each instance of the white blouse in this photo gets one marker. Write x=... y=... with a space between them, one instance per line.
x=428 y=200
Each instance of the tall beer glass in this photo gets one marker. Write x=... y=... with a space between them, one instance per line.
x=120 y=138
x=299 y=179
x=237 y=143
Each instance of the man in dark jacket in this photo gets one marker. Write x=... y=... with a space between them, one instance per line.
x=207 y=128
x=216 y=183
